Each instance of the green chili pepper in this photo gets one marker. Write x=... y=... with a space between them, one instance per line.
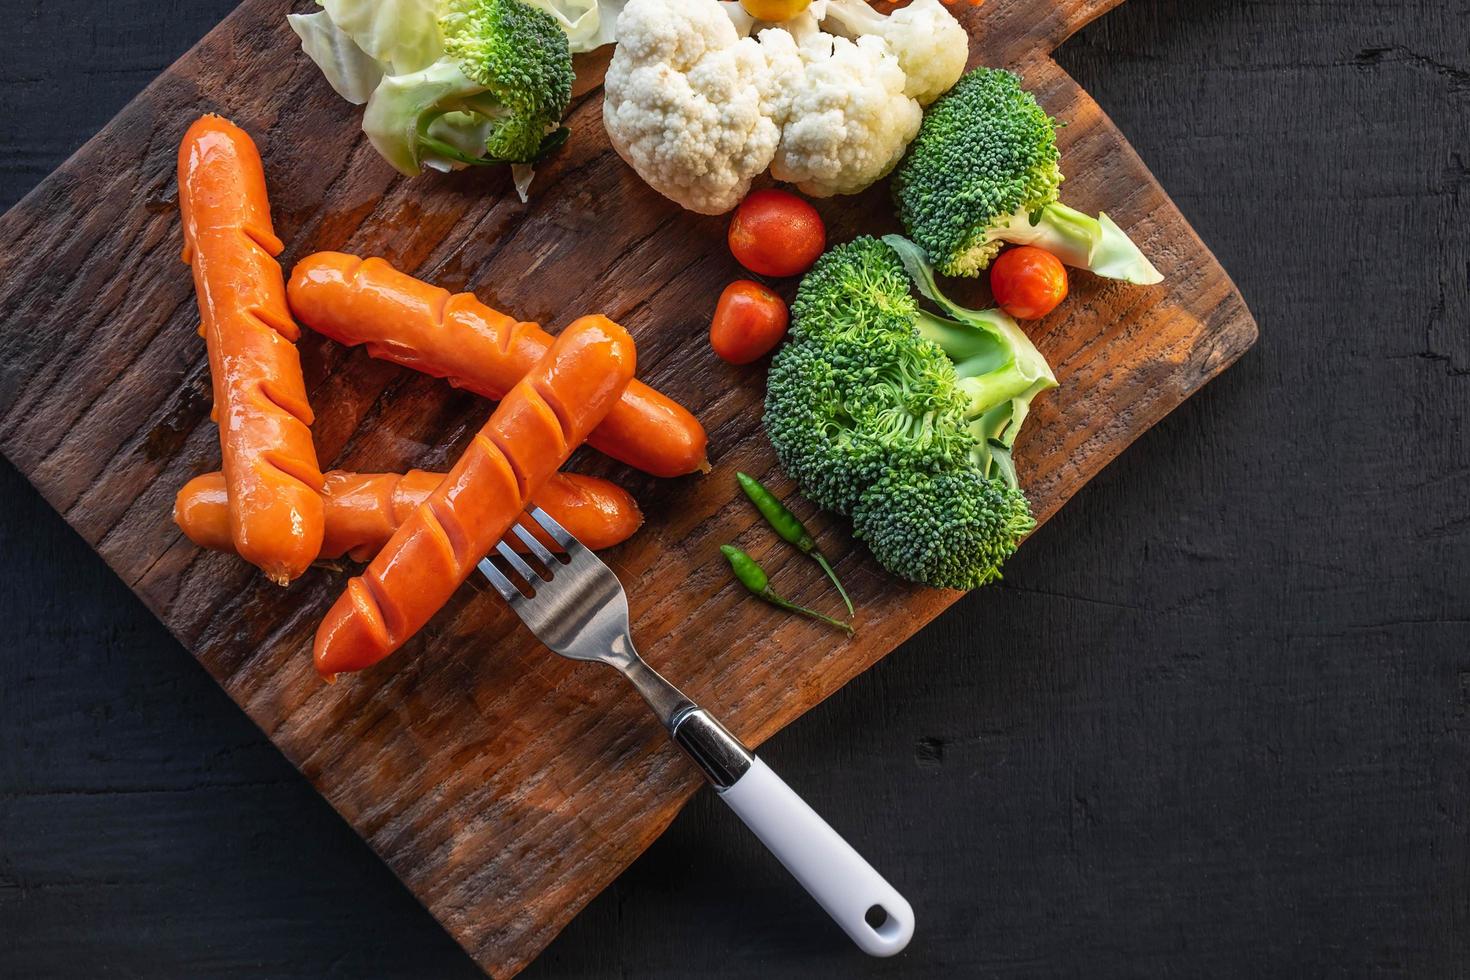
x=755 y=579
x=789 y=527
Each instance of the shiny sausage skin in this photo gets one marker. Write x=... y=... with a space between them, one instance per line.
x=270 y=465
x=404 y=320
x=536 y=427
x=364 y=509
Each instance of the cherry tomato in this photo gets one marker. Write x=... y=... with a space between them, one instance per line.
x=775 y=233
x=774 y=10
x=750 y=321
x=1028 y=282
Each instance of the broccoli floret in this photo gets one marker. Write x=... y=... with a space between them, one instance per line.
x=985 y=151
x=809 y=426
x=497 y=96
x=984 y=171
x=840 y=413
x=517 y=51
x=951 y=530
x=875 y=399
x=859 y=292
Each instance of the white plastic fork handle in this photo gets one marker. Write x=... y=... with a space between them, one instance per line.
x=826 y=865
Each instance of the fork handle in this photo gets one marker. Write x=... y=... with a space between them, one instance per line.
x=867 y=907
x=826 y=865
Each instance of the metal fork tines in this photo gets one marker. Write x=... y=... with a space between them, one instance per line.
x=577 y=607
x=585 y=616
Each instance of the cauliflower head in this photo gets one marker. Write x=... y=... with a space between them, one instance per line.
x=932 y=47
x=700 y=99
x=847 y=119
x=690 y=104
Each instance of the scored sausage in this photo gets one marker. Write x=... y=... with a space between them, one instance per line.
x=364 y=509
x=270 y=465
x=543 y=419
x=409 y=322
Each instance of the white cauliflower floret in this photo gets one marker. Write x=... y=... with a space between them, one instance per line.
x=699 y=108
x=689 y=104
x=783 y=55
x=932 y=47
x=848 y=121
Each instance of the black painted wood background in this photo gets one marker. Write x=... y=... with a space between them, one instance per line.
x=1215 y=722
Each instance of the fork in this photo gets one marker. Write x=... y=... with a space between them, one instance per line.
x=577 y=607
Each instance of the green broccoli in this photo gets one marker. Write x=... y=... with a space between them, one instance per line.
x=999 y=370
x=856 y=291
x=841 y=413
x=497 y=95
x=951 y=530
x=905 y=418
x=985 y=170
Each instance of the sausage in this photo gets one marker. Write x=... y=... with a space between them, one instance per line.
x=269 y=462
x=409 y=322
x=543 y=419
x=364 y=509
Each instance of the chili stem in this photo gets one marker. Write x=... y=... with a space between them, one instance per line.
x=749 y=573
x=833 y=576
x=789 y=528
x=789 y=606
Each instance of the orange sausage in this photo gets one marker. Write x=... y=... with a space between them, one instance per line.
x=270 y=465
x=364 y=509
x=530 y=435
x=409 y=322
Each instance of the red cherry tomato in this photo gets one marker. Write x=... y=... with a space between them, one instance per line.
x=775 y=233
x=1028 y=282
x=750 y=321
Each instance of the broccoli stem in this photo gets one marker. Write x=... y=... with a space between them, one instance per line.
x=442 y=150
x=999 y=367
x=995 y=434
x=1095 y=244
x=990 y=368
x=995 y=361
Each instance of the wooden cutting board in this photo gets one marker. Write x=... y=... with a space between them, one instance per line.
x=507 y=787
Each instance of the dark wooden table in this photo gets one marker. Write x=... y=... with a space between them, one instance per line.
x=1216 y=721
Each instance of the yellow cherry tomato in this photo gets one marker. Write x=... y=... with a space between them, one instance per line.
x=774 y=10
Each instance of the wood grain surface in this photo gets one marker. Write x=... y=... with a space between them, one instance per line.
x=504 y=787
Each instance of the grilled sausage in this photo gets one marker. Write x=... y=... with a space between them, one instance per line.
x=546 y=416
x=364 y=509
x=270 y=466
x=409 y=322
